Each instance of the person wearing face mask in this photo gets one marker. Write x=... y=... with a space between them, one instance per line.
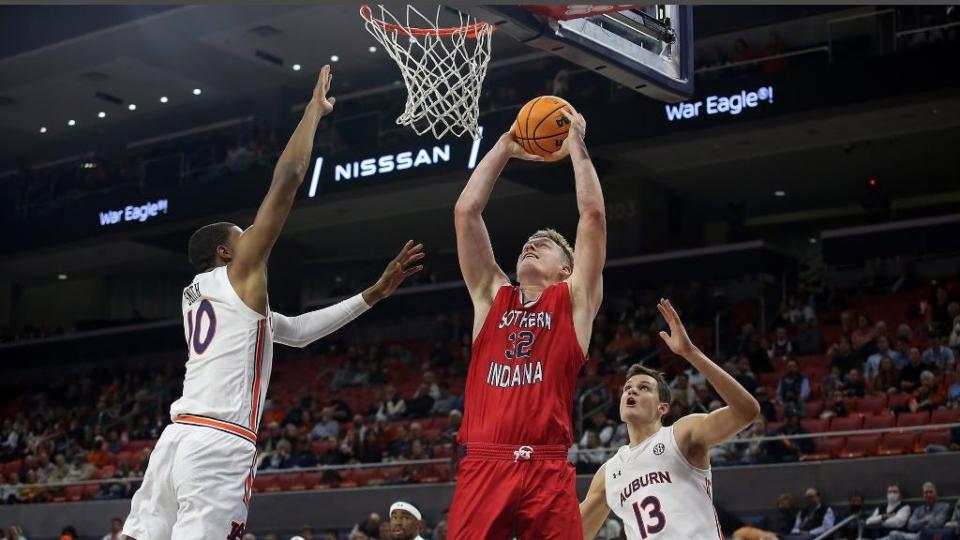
x=931 y=514
x=814 y=518
x=892 y=517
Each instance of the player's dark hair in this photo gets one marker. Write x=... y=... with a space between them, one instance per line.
x=663 y=387
x=202 y=249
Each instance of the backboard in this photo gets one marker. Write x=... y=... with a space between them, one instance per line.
x=646 y=47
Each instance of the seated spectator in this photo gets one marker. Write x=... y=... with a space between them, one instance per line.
x=952 y=525
x=808 y=340
x=883 y=351
x=781 y=346
x=393 y=406
x=753 y=451
x=842 y=356
x=910 y=374
x=851 y=530
x=302 y=456
x=891 y=517
x=954 y=340
x=938 y=356
x=701 y=403
x=443 y=402
x=814 y=518
x=744 y=376
x=832 y=383
x=81 y=470
x=953 y=393
x=778 y=527
x=767 y=408
x=887 y=379
x=602 y=426
x=400 y=445
x=854 y=385
x=681 y=391
x=931 y=514
x=785 y=449
x=456 y=420
x=930 y=395
x=647 y=351
x=419 y=405
x=341 y=409
x=794 y=388
x=591 y=455
x=862 y=334
x=281 y=458
x=327 y=427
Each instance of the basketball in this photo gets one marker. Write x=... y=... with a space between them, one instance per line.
x=541 y=126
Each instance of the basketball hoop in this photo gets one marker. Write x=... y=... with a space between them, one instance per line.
x=442 y=67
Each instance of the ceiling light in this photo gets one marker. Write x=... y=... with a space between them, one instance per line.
x=813 y=240
x=780 y=193
x=71 y=123
x=43 y=130
x=197 y=91
x=372 y=49
x=101 y=114
x=163 y=99
x=62 y=277
x=334 y=58
x=132 y=106
x=296 y=67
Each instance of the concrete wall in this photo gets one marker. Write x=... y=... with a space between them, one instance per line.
x=739 y=489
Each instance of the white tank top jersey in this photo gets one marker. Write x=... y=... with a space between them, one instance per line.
x=658 y=494
x=230 y=357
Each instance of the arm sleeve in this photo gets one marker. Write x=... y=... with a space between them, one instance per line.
x=898 y=520
x=829 y=519
x=303 y=330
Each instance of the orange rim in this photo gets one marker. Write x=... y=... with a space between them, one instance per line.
x=470 y=30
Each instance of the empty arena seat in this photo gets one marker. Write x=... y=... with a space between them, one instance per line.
x=826 y=448
x=850 y=423
x=125 y=457
x=861 y=445
x=265 y=482
x=772 y=427
x=882 y=421
x=815 y=425
x=920 y=418
x=813 y=408
x=897 y=443
x=898 y=401
x=938 y=438
x=12 y=467
x=870 y=405
x=945 y=416
x=91 y=491
x=74 y=493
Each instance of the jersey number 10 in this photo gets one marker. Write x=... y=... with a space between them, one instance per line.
x=193 y=331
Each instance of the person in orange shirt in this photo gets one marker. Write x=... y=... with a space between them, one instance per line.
x=929 y=395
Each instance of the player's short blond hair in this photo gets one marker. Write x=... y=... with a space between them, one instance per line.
x=559 y=240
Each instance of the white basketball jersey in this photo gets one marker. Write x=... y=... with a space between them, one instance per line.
x=658 y=494
x=230 y=354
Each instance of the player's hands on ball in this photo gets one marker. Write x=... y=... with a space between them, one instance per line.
x=577 y=132
x=513 y=148
x=396 y=272
x=320 y=91
x=678 y=340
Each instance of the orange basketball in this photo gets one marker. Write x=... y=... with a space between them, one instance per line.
x=541 y=126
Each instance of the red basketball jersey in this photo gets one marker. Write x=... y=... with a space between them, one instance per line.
x=523 y=371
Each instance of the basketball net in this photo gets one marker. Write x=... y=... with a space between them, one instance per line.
x=443 y=68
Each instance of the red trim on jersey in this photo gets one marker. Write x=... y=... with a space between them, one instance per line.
x=257 y=366
x=228 y=427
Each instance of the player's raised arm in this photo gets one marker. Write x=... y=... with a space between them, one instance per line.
x=590 y=249
x=477 y=264
x=254 y=245
x=594 y=509
x=304 y=329
x=697 y=433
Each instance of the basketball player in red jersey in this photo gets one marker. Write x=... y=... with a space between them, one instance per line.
x=529 y=343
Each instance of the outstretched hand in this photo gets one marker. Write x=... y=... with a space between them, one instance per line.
x=576 y=134
x=514 y=150
x=678 y=340
x=396 y=272
x=320 y=90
